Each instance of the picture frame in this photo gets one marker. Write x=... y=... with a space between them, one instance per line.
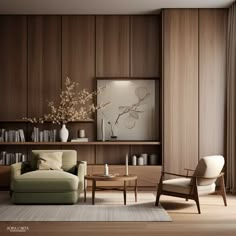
x=132 y=113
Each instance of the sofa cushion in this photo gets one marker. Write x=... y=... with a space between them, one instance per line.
x=45 y=181
x=50 y=161
x=69 y=159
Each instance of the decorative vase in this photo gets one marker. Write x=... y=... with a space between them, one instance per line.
x=103 y=131
x=64 y=133
x=114 y=131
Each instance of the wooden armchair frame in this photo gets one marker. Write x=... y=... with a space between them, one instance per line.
x=193 y=193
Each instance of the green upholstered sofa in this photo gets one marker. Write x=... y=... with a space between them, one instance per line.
x=32 y=186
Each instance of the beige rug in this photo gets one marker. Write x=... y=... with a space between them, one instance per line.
x=109 y=207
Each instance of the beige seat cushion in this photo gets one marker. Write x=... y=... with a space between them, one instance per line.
x=182 y=185
x=50 y=161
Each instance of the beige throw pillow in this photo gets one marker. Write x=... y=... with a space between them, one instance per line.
x=50 y=161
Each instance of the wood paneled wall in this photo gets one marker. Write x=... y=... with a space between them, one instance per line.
x=194 y=82
x=212 y=81
x=39 y=52
x=145 y=51
x=44 y=62
x=112 y=46
x=180 y=68
x=13 y=67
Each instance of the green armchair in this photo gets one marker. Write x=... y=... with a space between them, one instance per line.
x=32 y=186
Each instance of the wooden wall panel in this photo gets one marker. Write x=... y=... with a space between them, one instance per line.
x=78 y=50
x=112 y=46
x=180 y=65
x=78 y=59
x=44 y=63
x=145 y=46
x=13 y=67
x=111 y=154
x=212 y=81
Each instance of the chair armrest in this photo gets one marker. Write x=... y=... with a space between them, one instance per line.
x=214 y=177
x=81 y=172
x=16 y=170
x=169 y=173
x=188 y=169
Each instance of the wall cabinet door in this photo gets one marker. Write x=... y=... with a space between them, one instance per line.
x=112 y=46
x=13 y=67
x=212 y=81
x=44 y=63
x=180 y=81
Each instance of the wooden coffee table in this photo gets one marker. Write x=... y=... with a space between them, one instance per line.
x=122 y=178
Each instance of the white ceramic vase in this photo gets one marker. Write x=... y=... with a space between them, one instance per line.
x=64 y=133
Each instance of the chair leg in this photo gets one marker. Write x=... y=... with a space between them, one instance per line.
x=157 y=199
x=222 y=189
x=198 y=205
x=195 y=195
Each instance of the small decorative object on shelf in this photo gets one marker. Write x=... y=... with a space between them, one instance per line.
x=64 y=133
x=127 y=164
x=113 y=128
x=140 y=161
x=106 y=170
x=79 y=140
x=73 y=105
x=153 y=159
x=103 y=131
x=145 y=158
x=81 y=133
x=134 y=160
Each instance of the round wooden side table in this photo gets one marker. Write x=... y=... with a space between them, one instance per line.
x=122 y=178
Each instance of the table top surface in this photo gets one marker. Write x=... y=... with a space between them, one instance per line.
x=111 y=177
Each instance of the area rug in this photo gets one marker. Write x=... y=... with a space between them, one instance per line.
x=108 y=207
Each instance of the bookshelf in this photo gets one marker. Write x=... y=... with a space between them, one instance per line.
x=113 y=143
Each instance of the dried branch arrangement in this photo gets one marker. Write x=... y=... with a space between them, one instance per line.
x=73 y=105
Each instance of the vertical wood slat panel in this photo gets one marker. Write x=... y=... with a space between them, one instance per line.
x=78 y=63
x=145 y=46
x=180 y=89
x=112 y=46
x=13 y=67
x=44 y=63
x=212 y=81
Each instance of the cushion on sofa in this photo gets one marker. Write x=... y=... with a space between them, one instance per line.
x=50 y=161
x=69 y=159
x=45 y=181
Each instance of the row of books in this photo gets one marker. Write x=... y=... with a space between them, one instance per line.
x=44 y=135
x=11 y=158
x=12 y=135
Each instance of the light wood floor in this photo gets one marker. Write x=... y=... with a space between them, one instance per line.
x=216 y=219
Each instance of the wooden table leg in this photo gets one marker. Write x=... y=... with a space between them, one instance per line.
x=136 y=189
x=93 y=192
x=124 y=192
x=85 y=191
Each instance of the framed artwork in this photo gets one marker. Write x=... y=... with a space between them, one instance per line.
x=132 y=112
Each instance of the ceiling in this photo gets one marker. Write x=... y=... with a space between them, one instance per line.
x=102 y=6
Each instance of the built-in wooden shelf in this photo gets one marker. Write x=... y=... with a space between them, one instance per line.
x=26 y=121
x=82 y=143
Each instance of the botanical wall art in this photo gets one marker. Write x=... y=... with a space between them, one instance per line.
x=131 y=115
